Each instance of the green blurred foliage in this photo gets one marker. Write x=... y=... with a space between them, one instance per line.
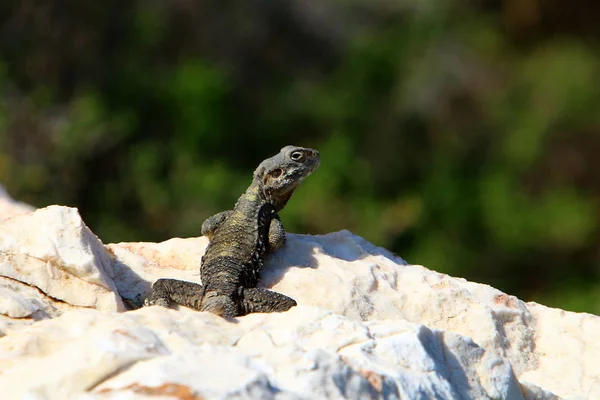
x=462 y=137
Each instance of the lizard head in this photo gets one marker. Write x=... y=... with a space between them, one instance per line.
x=281 y=174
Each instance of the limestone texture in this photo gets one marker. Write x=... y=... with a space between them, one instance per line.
x=367 y=326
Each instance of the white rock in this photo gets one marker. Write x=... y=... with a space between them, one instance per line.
x=21 y=305
x=367 y=326
x=430 y=363
x=53 y=250
x=63 y=357
x=138 y=265
x=15 y=305
x=305 y=353
x=567 y=349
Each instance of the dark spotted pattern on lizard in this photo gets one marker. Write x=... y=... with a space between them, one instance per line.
x=239 y=238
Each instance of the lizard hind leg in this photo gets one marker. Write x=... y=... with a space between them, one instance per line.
x=220 y=304
x=190 y=294
x=262 y=300
x=165 y=291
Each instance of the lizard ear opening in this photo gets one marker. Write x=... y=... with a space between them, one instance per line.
x=272 y=175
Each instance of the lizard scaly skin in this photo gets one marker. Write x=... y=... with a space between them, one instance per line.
x=239 y=238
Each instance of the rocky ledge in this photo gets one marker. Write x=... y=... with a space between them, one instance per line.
x=367 y=325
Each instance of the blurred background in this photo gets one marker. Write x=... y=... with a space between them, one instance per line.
x=462 y=135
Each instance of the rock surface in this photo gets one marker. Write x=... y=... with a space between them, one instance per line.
x=52 y=249
x=367 y=326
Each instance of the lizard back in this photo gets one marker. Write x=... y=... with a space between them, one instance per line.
x=235 y=256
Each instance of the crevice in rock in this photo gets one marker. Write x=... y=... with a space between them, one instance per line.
x=40 y=291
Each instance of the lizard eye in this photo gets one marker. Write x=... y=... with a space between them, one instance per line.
x=276 y=173
x=297 y=156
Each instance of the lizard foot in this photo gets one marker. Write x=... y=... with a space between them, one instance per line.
x=160 y=301
x=265 y=301
x=165 y=291
x=221 y=305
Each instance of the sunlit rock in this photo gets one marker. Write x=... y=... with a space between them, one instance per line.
x=367 y=325
x=52 y=250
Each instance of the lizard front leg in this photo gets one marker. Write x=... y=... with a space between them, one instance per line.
x=210 y=225
x=276 y=234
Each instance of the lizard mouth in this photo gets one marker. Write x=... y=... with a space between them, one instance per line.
x=299 y=175
x=316 y=163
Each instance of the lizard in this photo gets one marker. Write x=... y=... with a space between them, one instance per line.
x=239 y=239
